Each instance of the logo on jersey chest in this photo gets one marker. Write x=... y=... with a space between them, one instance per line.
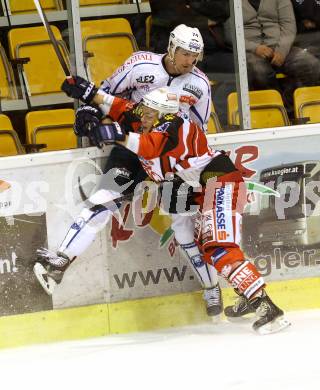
x=162 y=128
x=148 y=79
x=193 y=89
x=188 y=99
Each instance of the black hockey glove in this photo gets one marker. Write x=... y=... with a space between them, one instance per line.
x=87 y=117
x=105 y=134
x=88 y=124
x=112 y=132
x=79 y=88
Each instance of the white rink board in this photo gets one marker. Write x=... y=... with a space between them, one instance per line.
x=53 y=191
x=254 y=151
x=141 y=268
x=47 y=183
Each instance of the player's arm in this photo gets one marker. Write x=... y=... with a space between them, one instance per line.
x=156 y=143
x=150 y=145
x=91 y=121
x=88 y=93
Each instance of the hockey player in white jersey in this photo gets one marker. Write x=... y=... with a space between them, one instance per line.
x=144 y=72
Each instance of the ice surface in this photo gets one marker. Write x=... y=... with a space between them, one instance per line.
x=219 y=356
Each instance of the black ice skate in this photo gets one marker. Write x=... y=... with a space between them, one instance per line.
x=213 y=298
x=240 y=309
x=49 y=268
x=270 y=317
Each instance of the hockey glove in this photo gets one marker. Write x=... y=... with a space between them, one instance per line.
x=86 y=118
x=111 y=132
x=105 y=134
x=80 y=89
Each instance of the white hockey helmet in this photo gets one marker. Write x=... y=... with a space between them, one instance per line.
x=188 y=38
x=162 y=100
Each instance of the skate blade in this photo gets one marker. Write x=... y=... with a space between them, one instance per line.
x=47 y=283
x=216 y=319
x=275 y=326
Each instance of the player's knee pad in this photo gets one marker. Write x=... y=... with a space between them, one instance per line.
x=244 y=278
x=206 y=274
x=222 y=256
x=240 y=273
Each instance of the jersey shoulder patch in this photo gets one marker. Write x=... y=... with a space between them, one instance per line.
x=169 y=123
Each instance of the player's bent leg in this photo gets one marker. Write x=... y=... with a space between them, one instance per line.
x=183 y=226
x=207 y=276
x=248 y=283
x=50 y=266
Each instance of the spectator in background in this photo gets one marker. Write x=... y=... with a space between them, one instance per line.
x=307 y=14
x=270 y=30
x=217 y=12
x=195 y=13
x=165 y=18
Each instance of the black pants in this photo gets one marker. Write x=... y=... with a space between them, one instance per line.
x=122 y=167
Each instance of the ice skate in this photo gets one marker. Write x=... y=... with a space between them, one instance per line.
x=49 y=269
x=213 y=298
x=241 y=310
x=270 y=317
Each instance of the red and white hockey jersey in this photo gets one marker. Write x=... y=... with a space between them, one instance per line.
x=145 y=71
x=175 y=144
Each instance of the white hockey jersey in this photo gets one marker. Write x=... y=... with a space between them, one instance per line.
x=145 y=71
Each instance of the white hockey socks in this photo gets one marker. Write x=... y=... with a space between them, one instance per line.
x=206 y=273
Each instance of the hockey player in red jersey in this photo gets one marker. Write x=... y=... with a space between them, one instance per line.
x=175 y=147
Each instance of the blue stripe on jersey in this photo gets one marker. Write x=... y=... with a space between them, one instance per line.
x=207 y=108
x=202 y=78
x=74 y=225
x=115 y=89
x=192 y=108
x=142 y=63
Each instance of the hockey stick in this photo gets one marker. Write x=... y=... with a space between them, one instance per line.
x=53 y=40
x=138 y=6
